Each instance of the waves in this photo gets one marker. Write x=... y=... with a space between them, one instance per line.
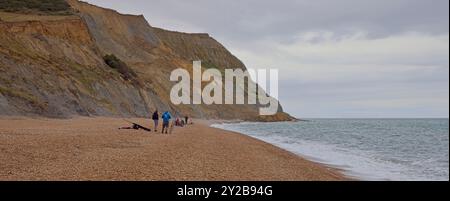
x=366 y=149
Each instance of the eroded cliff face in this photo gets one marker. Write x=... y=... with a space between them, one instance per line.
x=53 y=66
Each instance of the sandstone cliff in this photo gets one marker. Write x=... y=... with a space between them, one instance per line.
x=53 y=66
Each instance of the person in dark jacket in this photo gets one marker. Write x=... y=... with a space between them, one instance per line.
x=155 y=118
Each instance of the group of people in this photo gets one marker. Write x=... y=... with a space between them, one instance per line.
x=166 y=117
x=166 y=127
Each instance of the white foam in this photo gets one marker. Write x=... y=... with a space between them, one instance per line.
x=362 y=165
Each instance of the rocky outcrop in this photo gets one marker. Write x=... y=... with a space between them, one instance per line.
x=193 y=47
x=53 y=66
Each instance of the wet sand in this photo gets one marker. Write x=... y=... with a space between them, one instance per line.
x=95 y=149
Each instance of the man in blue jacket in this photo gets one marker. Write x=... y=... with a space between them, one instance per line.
x=166 y=121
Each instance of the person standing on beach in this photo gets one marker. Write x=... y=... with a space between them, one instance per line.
x=166 y=121
x=155 y=118
x=186 y=118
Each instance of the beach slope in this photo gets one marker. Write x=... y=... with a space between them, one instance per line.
x=95 y=149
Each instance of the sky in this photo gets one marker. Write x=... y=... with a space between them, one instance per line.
x=336 y=59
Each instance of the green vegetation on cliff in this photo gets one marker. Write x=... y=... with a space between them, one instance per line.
x=115 y=63
x=49 y=7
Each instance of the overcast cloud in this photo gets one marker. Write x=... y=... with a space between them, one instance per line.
x=346 y=58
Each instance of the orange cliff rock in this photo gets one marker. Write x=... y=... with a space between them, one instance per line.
x=53 y=66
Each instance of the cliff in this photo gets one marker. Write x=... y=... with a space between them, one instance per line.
x=52 y=65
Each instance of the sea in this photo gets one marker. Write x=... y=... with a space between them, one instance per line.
x=365 y=149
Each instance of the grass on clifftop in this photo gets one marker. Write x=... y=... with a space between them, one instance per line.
x=45 y=7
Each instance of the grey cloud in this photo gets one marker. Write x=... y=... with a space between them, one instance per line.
x=252 y=19
x=265 y=32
